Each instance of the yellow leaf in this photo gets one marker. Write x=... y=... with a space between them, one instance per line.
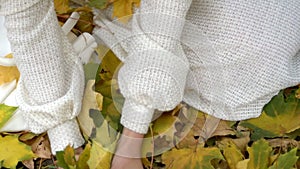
x=69 y=156
x=191 y=158
x=232 y=154
x=163 y=123
x=6 y=113
x=84 y=157
x=12 y=151
x=62 y=6
x=123 y=9
x=242 y=164
x=8 y=73
x=280 y=116
x=99 y=157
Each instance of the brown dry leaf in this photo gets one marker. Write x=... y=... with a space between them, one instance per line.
x=284 y=143
x=8 y=73
x=223 y=128
x=28 y=163
x=123 y=9
x=41 y=147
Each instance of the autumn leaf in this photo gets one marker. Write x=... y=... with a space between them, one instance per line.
x=85 y=22
x=191 y=158
x=286 y=161
x=41 y=147
x=8 y=73
x=231 y=153
x=91 y=108
x=100 y=4
x=62 y=6
x=99 y=157
x=12 y=151
x=280 y=116
x=106 y=135
x=123 y=9
x=6 y=113
x=84 y=157
x=259 y=154
x=109 y=65
x=163 y=123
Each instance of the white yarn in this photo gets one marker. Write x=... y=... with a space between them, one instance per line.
x=240 y=54
x=52 y=81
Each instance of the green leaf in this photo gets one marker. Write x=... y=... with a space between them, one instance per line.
x=106 y=135
x=280 y=117
x=259 y=154
x=104 y=87
x=90 y=71
x=100 y=4
x=6 y=113
x=286 y=161
x=61 y=160
x=97 y=117
x=12 y=151
x=199 y=158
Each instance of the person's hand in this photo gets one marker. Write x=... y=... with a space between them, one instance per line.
x=128 y=153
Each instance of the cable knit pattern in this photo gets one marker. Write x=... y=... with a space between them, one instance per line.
x=51 y=85
x=240 y=54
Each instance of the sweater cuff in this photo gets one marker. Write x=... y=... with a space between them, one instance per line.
x=65 y=134
x=136 y=117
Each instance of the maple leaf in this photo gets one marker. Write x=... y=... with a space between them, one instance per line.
x=286 y=161
x=12 y=151
x=191 y=158
x=123 y=9
x=231 y=153
x=280 y=116
x=259 y=154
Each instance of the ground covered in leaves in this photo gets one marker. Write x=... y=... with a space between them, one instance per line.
x=181 y=138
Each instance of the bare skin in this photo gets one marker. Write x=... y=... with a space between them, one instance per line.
x=127 y=155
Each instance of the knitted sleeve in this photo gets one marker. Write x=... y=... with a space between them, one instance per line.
x=51 y=84
x=154 y=72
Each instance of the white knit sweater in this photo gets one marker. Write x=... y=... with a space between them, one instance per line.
x=51 y=85
x=226 y=58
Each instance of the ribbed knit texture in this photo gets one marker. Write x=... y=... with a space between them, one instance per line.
x=239 y=55
x=51 y=85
